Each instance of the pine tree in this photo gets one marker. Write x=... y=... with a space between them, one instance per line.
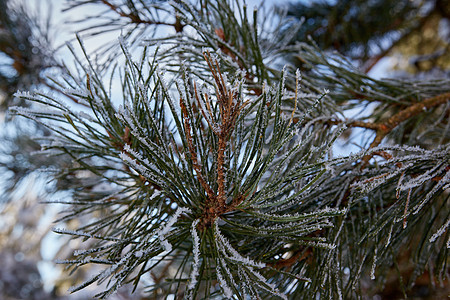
x=209 y=172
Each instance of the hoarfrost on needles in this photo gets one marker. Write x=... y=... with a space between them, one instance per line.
x=225 y=246
x=162 y=232
x=440 y=231
x=223 y=284
x=196 y=251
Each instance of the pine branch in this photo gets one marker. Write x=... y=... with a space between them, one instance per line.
x=192 y=151
x=235 y=182
x=384 y=128
x=135 y=18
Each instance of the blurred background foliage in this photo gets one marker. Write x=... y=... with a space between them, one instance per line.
x=414 y=33
x=27 y=47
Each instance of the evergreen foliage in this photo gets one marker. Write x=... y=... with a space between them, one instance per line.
x=416 y=32
x=25 y=47
x=209 y=173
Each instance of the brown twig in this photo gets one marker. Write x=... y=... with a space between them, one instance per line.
x=226 y=50
x=383 y=129
x=298 y=255
x=135 y=18
x=193 y=152
x=229 y=105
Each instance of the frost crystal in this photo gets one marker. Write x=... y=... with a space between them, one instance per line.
x=166 y=228
x=124 y=45
x=196 y=250
x=374 y=265
x=223 y=284
x=74 y=92
x=440 y=231
x=225 y=246
x=83 y=115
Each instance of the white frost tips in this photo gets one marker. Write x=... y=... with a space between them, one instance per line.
x=196 y=250
x=374 y=265
x=162 y=232
x=223 y=284
x=155 y=194
x=225 y=246
x=124 y=45
x=23 y=94
x=440 y=231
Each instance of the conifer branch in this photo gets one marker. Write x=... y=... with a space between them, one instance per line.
x=133 y=17
x=193 y=152
x=230 y=104
x=384 y=128
x=235 y=186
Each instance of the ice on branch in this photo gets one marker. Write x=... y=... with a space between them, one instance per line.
x=196 y=251
x=80 y=233
x=137 y=155
x=71 y=232
x=133 y=164
x=104 y=274
x=374 y=265
x=162 y=232
x=78 y=93
x=224 y=245
x=440 y=231
x=298 y=75
x=36 y=112
x=83 y=115
x=124 y=46
x=223 y=284
x=24 y=94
